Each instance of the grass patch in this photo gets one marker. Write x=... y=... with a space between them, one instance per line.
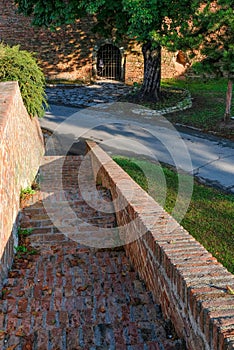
x=208 y=99
x=208 y=104
x=67 y=82
x=170 y=97
x=209 y=218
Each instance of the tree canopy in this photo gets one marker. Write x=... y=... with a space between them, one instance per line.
x=153 y=23
x=206 y=25
x=212 y=34
x=140 y=19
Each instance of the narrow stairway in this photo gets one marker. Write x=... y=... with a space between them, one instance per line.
x=64 y=294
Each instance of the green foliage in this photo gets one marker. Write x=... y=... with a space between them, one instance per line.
x=24 y=250
x=19 y=65
x=143 y=20
x=209 y=218
x=150 y=22
x=52 y=13
x=26 y=192
x=213 y=34
x=24 y=231
x=21 y=249
x=176 y=24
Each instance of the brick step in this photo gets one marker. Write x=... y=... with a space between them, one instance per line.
x=70 y=294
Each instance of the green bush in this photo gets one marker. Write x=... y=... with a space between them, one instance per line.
x=20 y=65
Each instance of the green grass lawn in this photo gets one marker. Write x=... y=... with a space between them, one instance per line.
x=210 y=216
x=208 y=104
x=208 y=98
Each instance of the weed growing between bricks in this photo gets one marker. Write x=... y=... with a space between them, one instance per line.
x=24 y=248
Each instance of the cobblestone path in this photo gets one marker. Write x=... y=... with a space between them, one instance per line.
x=66 y=295
x=86 y=95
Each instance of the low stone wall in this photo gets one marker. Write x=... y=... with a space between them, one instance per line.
x=187 y=281
x=21 y=150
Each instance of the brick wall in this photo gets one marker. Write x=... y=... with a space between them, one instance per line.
x=67 y=53
x=185 y=279
x=21 y=149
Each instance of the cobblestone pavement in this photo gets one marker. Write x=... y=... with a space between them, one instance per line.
x=61 y=294
x=86 y=95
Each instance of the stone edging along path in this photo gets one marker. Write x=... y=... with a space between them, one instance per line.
x=186 y=280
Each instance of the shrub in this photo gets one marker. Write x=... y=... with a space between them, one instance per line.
x=20 y=65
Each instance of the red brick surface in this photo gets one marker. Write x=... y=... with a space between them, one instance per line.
x=21 y=150
x=188 y=283
x=71 y=296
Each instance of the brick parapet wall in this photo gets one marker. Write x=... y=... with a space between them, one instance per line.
x=21 y=150
x=185 y=279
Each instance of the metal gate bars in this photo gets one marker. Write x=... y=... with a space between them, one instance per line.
x=109 y=62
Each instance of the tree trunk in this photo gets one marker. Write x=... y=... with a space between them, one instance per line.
x=227 y=114
x=150 y=89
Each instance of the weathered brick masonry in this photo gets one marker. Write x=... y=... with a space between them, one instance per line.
x=70 y=52
x=21 y=149
x=185 y=279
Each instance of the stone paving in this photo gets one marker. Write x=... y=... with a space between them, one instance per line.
x=61 y=294
x=105 y=91
x=86 y=95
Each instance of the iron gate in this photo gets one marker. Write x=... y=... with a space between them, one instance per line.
x=109 y=62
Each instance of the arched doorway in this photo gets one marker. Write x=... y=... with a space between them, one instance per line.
x=109 y=62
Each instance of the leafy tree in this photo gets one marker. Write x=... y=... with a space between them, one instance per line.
x=153 y=23
x=213 y=35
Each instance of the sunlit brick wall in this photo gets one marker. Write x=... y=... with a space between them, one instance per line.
x=21 y=150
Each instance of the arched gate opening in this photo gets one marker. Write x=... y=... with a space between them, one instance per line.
x=109 y=62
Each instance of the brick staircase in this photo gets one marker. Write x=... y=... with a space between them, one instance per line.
x=66 y=294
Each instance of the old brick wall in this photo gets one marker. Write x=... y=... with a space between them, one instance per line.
x=21 y=150
x=185 y=279
x=67 y=53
